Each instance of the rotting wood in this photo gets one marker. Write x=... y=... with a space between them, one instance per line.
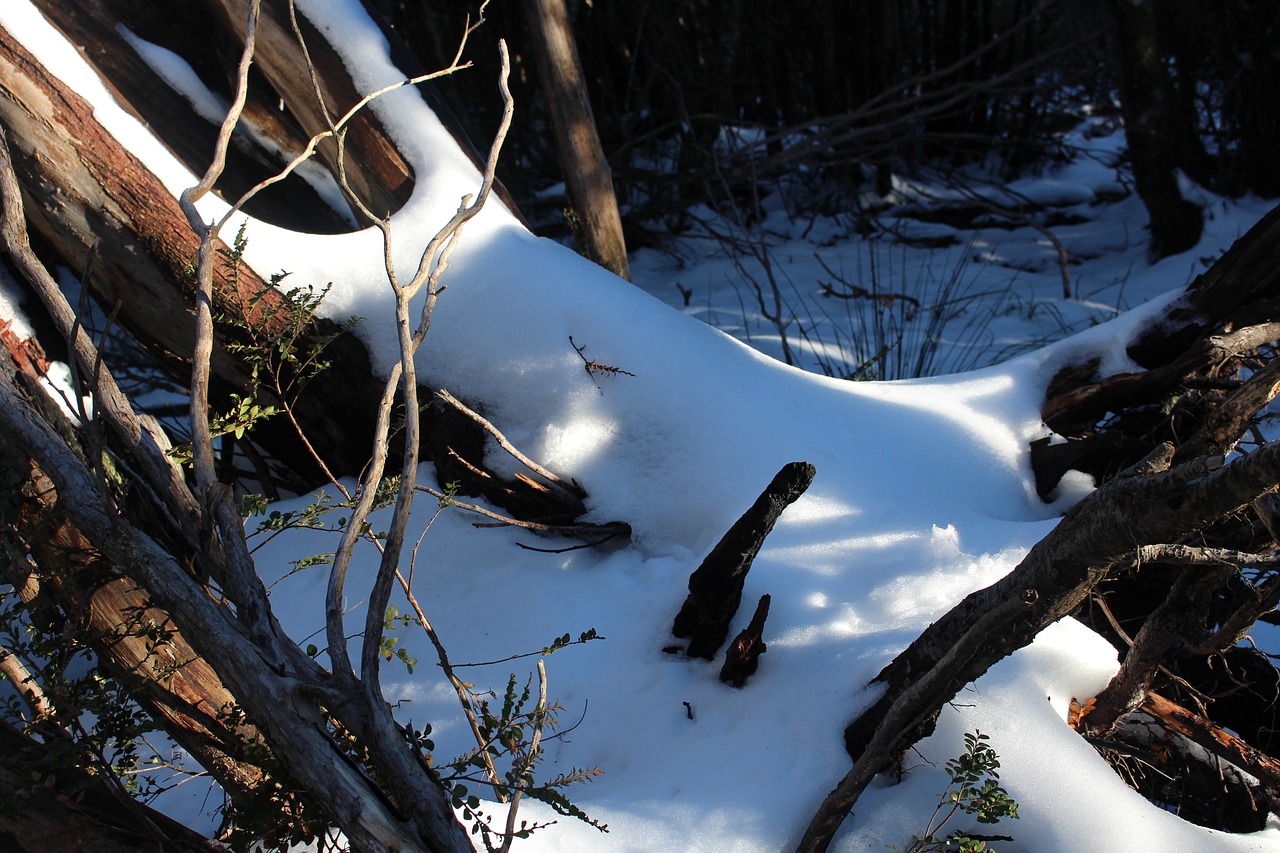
x=47 y=819
x=1151 y=503
x=1216 y=741
x=715 y=587
x=742 y=658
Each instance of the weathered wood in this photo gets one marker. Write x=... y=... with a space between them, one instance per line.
x=283 y=690
x=1178 y=619
x=455 y=440
x=280 y=688
x=715 y=587
x=586 y=171
x=1151 y=504
x=1227 y=421
x=1190 y=358
x=192 y=30
x=174 y=684
x=1223 y=744
x=82 y=186
x=742 y=658
x=377 y=173
x=90 y=818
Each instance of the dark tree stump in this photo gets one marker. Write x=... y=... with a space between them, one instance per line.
x=743 y=656
x=715 y=587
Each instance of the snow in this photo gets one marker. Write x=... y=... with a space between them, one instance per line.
x=923 y=493
x=10 y=306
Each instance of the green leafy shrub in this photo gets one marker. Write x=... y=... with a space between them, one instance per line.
x=974 y=790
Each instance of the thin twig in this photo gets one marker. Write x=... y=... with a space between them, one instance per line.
x=621 y=530
x=177 y=507
x=571 y=491
x=612 y=528
x=430 y=269
x=241 y=577
x=465 y=698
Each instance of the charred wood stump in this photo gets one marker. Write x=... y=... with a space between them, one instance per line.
x=743 y=655
x=715 y=587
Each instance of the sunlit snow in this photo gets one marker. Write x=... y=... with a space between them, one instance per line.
x=923 y=493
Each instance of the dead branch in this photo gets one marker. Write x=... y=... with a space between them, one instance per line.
x=609 y=529
x=1174 y=621
x=221 y=515
x=742 y=658
x=1223 y=744
x=28 y=687
x=715 y=587
x=402 y=770
x=1228 y=421
x=1147 y=505
x=570 y=491
x=1086 y=404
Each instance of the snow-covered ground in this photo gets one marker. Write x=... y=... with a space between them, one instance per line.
x=923 y=490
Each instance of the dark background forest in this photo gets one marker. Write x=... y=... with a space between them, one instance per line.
x=850 y=92
x=695 y=103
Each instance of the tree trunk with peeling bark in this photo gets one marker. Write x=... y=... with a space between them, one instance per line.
x=88 y=197
x=83 y=188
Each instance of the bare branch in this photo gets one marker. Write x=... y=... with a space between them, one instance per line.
x=539 y=717
x=177 y=506
x=613 y=528
x=428 y=275
x=1144 y=505
x=570 y=491
x=28 y=687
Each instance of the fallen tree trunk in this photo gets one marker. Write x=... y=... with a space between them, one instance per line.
x=339 y=750
x=287 y=696
x=1188 y=359
x=95 y=820
x=84 y=189
x=1227 y=314
x=281 y=689
x=1152 y=503
x=67 y=579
